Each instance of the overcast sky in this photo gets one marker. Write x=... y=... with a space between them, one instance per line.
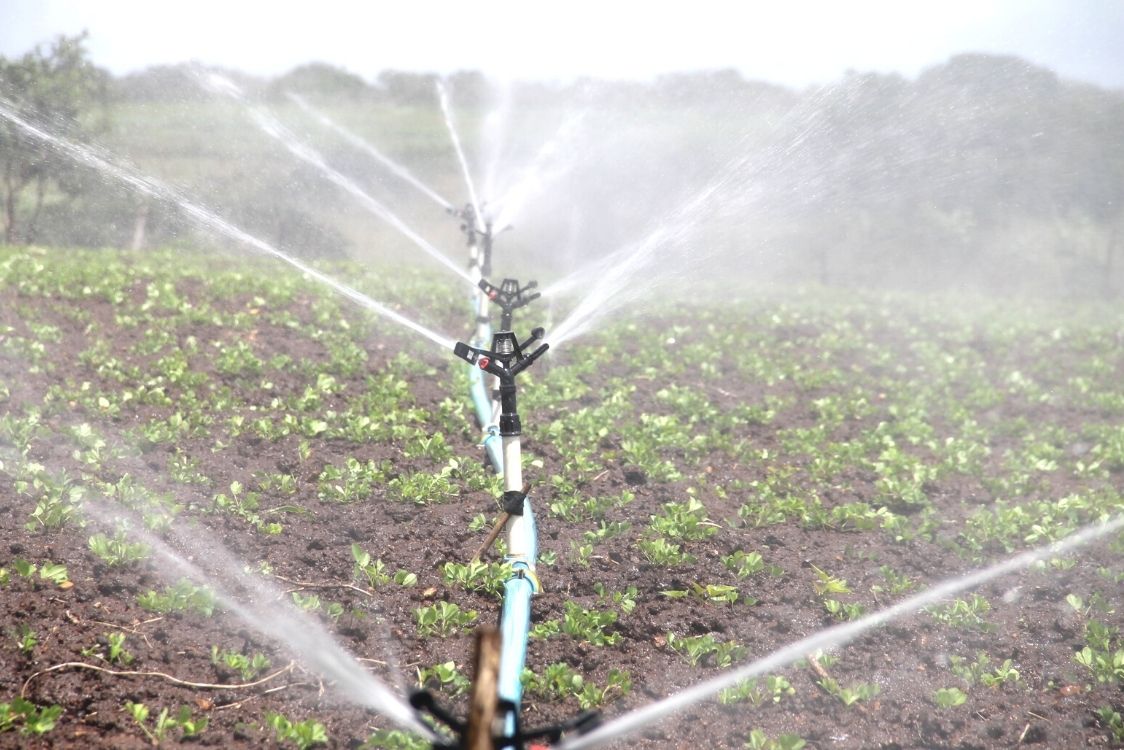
x=792 y=42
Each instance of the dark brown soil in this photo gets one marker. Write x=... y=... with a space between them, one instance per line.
x=1051 y=705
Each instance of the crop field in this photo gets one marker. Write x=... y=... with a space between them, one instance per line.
x=196 y=450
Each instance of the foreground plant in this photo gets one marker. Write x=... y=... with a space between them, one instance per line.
x=697 y=648
x=1111 y=720
x=303 y=734
x=851 y=694
x=772 y=688
x=446 y=676
x=182 y=596
x=758 y=740
x=561 y=681
x=247 y=667
x=31 y=719
x=964 y=613
x=443 y=618
x=949 y=697
x=165 y=722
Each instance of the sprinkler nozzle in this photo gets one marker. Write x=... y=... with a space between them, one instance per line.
x=505 y=360
x=509 y=296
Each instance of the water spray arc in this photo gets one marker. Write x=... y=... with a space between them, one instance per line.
x=371 y=151
x=258 y=604
x=832 y=637
x=208 y=220
x=272 y=127
x=443 y=97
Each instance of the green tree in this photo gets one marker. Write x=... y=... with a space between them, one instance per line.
x=60 y=87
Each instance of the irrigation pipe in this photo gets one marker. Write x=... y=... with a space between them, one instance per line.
x=832 y=637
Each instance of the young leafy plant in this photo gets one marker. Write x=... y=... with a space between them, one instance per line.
x=32 y=719
x=443 y=619
x=304 y=734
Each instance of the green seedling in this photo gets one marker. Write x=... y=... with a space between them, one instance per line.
x=307 y=602
x=685 y=521
x=949 y=697
x=446 y=676
x=165 y=722
x=115 y=651
x=31 y=719
x=896 y=583
x=477 y=576
x=981 y=671
x=443 y=619
x=583 y=553
x=304 y=734
x=395 y=739
x=758 y=740
x=826 y=584
x=772 y=688
x=964 y=613
x=26 y=639
x=181 y=597
x=247 y=667
x=744 y=564
x=117 y=550
x=625 y=600
x=54 y=572
x=1111 y=720
x=560 y=681
x=662 y=552
x=851 y=694
x=373 y=571
x=589 y=625
x=700 y=648
x=843 y=611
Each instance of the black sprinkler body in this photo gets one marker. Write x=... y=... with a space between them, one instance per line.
x=505 y=360
x=475 y=236
x=510 y=297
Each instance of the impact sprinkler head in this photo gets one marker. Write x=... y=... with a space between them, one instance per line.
x=505 y=360
x=509 y=296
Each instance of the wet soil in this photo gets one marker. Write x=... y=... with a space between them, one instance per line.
x=1051 y=705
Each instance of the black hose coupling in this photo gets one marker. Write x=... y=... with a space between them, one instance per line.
x=512 y=502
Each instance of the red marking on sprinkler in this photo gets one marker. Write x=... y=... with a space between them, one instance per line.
x=483 y=363
x=492 y=294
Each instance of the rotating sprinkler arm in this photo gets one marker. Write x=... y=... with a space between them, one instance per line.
x=509 y=296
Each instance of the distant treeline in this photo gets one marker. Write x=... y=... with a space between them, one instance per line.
x=983 y=172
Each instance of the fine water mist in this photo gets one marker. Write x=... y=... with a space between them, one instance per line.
x=209 y=220
x=263 y=607
x=272 y=127
x=370 y=150
x=547 y=166
x=446 y=110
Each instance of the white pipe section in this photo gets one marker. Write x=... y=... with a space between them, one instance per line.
x=512 y=464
